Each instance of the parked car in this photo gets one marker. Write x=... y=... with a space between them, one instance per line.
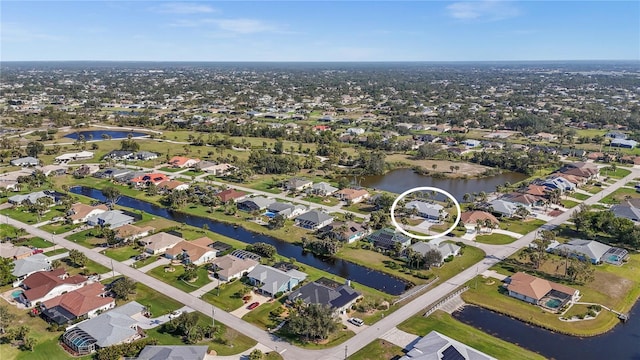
x=356 y=321
x=37 y=251
x=253 y=305
x=175 y=314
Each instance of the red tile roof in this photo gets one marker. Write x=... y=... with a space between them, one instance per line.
x=230 y=194
x=42 y=282
x=81 y=301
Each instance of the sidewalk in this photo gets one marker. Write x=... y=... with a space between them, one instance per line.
x=160 y=262
x=205 y=289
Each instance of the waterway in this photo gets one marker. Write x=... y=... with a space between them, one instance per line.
x=97 y=134
x=401 y=180
x=621 y=343
x=345 y=269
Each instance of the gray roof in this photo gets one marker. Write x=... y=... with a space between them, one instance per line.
x=314 y=216
x=297 y=182
x=433 y=210
x=444 y=248
x=273 y=278
x=114 y=326
x=435 y=346
x=626 y=211
x=591 y=248
x=280 y=206
x=324 y=187
x=146 y=155
x=316 y=293
x=179 y=352
x=260 y=201
x=32 y=198
x=30 y=264
x=25 y=160
x=503 y=207
x=110 y=217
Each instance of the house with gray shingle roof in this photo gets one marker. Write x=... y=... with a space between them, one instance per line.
x=444 y=248
x=112 y=218
x=435 y=346
x=25 y=161
x=298 y=184
x=22 y=268
x=272 y=281
x=430 y=211
x=627 y=211
x=313 y=219
x=322 y=189
x=254 y=203
x=173 y=352
x=286 y=210
x=327 y=292
x=594 y=251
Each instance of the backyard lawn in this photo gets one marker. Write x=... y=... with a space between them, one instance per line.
x=495 y=239
x=172 y=277
x=447 y=325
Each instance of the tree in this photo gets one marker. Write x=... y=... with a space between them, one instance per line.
x=123 y=288
x=112 y=195
x=256 y=355
x=56 y=264
x=432 y=258
x=263 y=249
x=34 y=148
x=276 y=222
x=28 y=343
x=78 y=258
x=521 y=212
x=313 y=322
x=6 y=318
x=6 y=269
x=190 y=273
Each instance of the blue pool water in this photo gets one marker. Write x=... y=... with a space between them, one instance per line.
x=553 y=303
x=16 y=294
x=269 y=214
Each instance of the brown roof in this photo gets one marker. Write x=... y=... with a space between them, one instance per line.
x=230 y=194
x=81 y=301
x=229 y=265
x=522 y=198
x=535 y=287
x=194 y=250
x=472 y=217
x=42 y=282
x=128 y=230
x=79 y=210
x=10 y=251
x=170 y=184
x=537 y=190
x=351 y=194
x=570 y=178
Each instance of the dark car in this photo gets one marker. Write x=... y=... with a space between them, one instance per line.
x=253 y=305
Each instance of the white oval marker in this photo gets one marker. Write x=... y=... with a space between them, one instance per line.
x=425 y=237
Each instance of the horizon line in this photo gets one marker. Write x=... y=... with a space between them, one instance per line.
x=326 y=61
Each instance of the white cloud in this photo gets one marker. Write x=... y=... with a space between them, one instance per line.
x=485 y=10
x=184 y=8
x=244 y=26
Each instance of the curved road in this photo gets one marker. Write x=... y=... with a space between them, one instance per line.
x=360 y=340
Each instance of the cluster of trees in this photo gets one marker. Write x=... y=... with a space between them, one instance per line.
x=126 y=350
x=590 y=223
x=312 y=322
x=325 y=247
x=416 y=260
x=17 y=336
x=6 y=269
x=518 y=161
x=190 y=273
x=263 y=162
x=187 y=327
x=78 y=258
x=129 y=144
x=277 y=222
x=372 y=163
x=263 y=249
x=123 y=288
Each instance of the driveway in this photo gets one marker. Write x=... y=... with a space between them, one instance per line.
x=150 y=323
x=242 y=311
x=356 y=329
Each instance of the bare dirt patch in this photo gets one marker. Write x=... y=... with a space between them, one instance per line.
x=614 y=286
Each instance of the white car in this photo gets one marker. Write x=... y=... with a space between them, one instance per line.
x=175 y=314
x=356 y=321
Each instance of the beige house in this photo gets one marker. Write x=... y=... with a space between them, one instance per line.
x=229 y=267
x=79 y=213
x=195 y=252
x=159 y=243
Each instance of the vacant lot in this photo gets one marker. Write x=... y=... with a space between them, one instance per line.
x=443 y=166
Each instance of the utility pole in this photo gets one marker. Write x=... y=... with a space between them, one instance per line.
x=345 y=352
x=113 y=272
x=213 y=316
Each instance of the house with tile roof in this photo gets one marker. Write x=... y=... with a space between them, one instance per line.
x=352 y=196
x=130 y=232
x=159 y=243
x=148 y=179
x=230 y=195
x=79 y=212
x=229 y=267
x=183 y=162
x=171 y=185
x=87 y=301
x=538 y=291
x=9 y=251
x=195 y=252
x=44 y=285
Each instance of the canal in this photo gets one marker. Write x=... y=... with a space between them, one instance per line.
x=348 y=270
x=98 y=134
x=401 y=180
x=621 y=343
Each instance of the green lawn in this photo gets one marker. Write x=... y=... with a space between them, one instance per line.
x=170 y=169
x=24 y=216
x=37 y=242
x=59 y=228
x=56 y=251
x=495 y=239
x=122 y=253
x=85 y=238
x=619 y=195
x=192 y=173
x=172 y=278
x=618 y=173
x=159 y=303
x=569 y=203
x=7 y=230
x=91 y=267
x=378 y=350
x=226 y=300
x=144 y=262
x=260 y=315
x=470 y=256
x=580 y=196
x=328 y=201
x=519 y=226
x=478 y=339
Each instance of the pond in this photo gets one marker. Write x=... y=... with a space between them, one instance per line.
x=345 y=269
x=401 y=180
x=100 y=134
x=621 y=343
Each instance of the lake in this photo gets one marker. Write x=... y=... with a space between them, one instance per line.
x=621 y=343
x=345 y=269
x=401 y=180
x=98 y=134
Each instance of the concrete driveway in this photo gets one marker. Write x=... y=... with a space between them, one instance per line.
x=242 y=311
x=350 y=326
x=149 y=323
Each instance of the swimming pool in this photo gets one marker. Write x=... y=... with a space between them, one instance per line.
x=553 y=303
x=269 y=214
x=16 y=294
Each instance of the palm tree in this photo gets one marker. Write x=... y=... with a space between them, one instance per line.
x=466 y=197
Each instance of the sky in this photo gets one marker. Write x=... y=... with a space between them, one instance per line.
x=477 y=30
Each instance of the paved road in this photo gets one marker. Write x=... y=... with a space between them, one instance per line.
x=494 y=255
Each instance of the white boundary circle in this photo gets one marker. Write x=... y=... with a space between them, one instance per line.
x=425 y=237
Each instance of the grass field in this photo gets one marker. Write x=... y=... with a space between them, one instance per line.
x=569 y=203
x=447 y=325
x=519 y=226
x=378 y=350
x=495 y=239
x=618 y=173
x=122 y=253
x=172 y=278
x=37 y=242
x=619 y=195
x=227 y=299
x=580 y=196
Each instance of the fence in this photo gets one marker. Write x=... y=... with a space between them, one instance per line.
x=445 y=299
